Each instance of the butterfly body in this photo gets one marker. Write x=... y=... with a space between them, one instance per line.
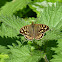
x=34 y=31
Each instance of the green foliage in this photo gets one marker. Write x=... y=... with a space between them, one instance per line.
x=11 y=7
x=11 y=25
x=20 y=53
x=58 y=50
x=3 y=53
x=3 y=49
x=38 y=6
x=48 y=0
x=3 y=57
x=21 y=50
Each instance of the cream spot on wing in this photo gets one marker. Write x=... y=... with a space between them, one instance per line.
x=21 y=30
x=41 y=25
x=39 y=37
x=41 y=31
x=24 y=29
x=25 y=32
x=45 y=28
x=42 y=28
x=28 y=37
x=27 y=27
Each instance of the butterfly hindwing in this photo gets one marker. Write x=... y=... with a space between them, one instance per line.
x=40 y=30
x=39 y=36
x=28 y=37
x=26 y=30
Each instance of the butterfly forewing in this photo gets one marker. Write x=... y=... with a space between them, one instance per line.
x=27 y=31
x=39 y=31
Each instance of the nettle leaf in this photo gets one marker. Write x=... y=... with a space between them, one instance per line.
x=11 y=7
x=3 y=49
x=3 y=53
x=52 y=16
x=58 y=50
x=23 y=54
x=3 y=57
x=47 y=0
x=11 y=26
x=39 y=5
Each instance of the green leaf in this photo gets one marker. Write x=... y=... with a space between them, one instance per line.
x=11 y=7
x=3 y=49
x=58 y=51
x=38 y=6
x=11 y=26
x=47 y=0
x=23 y=54
x=3 y=57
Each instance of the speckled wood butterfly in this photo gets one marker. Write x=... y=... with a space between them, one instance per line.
x=34 y=31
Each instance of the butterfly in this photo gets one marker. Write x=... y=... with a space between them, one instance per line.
x=34 y=31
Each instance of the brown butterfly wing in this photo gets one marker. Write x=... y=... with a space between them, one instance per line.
x=27 y=31
x=39 y=30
